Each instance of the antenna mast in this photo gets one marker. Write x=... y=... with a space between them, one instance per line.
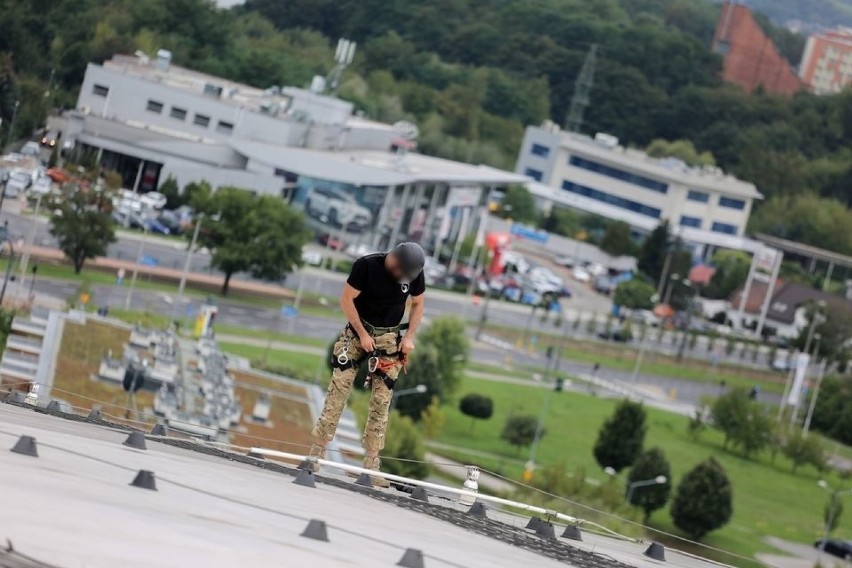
x=582 y=88
x=343 y=57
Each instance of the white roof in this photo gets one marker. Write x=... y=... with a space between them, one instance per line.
x=73 y=506
x=669 y=170
x=372 y=167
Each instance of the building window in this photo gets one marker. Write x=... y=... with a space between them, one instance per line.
x=610 y=199
x=201 y=120
x=699 y=196
x=687 y=221
x=178 y=113
x=154 y=106
x=540 y=150
x=724 y=228
x=100 y=90
x=618 y=174
x=731 y=203
x=533 y=173
x=224 y=127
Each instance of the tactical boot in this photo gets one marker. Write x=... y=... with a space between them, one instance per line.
x=317 y=452
x=374 y=464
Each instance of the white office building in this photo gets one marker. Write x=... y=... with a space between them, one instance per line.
x=705 y=207
x=149 y=120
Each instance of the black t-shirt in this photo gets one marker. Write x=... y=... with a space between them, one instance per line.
x=382 y=299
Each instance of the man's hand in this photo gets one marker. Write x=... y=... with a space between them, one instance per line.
x=406 y=345
x=368 y=344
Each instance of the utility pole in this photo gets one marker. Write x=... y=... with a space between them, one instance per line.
x=582 y=89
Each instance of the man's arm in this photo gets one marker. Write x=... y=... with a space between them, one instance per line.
x=347 y=304
x=418 y=304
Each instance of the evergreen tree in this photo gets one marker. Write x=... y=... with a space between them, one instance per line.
x=621 y=437
x=649 y=465
x=477 y=406
x=703 y=501
x=617 y=240
x=652 y=254
x=520 y=431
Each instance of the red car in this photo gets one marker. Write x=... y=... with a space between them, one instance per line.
x=332 y=242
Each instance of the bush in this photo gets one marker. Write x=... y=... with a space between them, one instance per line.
x=404 y=441
x=703 y=502
x=744 y=422
x=448 y=336
x=520 y=431
x=621 y=437
x=649 y=465
x=423 y=369
x=433 y=419
x=477 y=407
x=803 y=450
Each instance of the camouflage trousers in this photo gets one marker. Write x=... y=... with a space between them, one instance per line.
x=341 y=385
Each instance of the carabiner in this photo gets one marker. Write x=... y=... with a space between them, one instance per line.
x=343 y=359
x=373 y=363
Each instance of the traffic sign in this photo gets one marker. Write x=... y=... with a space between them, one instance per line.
x=289 y=311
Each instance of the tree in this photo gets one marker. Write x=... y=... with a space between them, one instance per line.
x=743 y=421
x=804 y=450
x=260 y=235
x=433 y=419
x=833 y=412
x=703 y=501
x=519 y=431
x=649 y=465
x=170 y=189
x=476 y=406
x=447 y=336
x=652 y=253
x=835 y=329
x=683 y=150
x=424 y=368
x=621 y=437
x=83 y=226
x=731 y=272
x=518 y=204
x=617 y=239
x=404 y=441
x=635 y=294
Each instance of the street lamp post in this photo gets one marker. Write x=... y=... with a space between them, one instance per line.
x=11 y=260
x=397 y=394
x=659 y=480
x=139 y=254
x=186 y=266
x=836 y=494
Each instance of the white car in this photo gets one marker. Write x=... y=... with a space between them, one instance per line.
x=153 y=200
x=42 y=186
x=596 y=269
x=511 y=258
x=312 y=257
x=31 y=149
x=18 y=182
x=359 y=250
x=336 y=207
x=580 y=274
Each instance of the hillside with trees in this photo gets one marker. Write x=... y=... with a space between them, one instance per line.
x=472 y=74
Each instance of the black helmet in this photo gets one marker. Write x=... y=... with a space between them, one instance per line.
x=411 y=259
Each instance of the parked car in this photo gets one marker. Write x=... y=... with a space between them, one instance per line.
x=152 y=225
x=595 y=269
x=31 y=149
x=644 y=317
x=311 y=257
x=42 y=185
x=580 y=274
x=564 y=260
x=17 y=183
x=153 y=200
x=604 y=285
x=337 y=208
x=780 y=364
x=330 y=241
x=359 y=250
x=837 y=547
x=172 y=221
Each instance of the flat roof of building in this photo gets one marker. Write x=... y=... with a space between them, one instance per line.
x=806 y=251
x=74 y=505
x=675 y=171
x=237 y=94
x=373 y=167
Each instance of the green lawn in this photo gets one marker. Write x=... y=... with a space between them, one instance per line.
x=305 y=366
x=769 y=499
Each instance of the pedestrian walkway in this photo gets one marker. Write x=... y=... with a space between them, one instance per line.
x=163 y=274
